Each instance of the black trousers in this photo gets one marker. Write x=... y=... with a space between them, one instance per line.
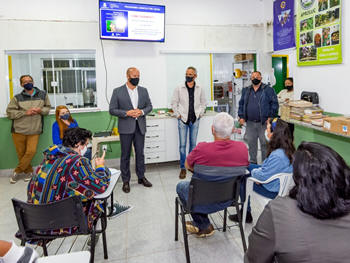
x=126 y=140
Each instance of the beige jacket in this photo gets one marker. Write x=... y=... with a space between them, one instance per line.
x=180 y=102
x=19 y=104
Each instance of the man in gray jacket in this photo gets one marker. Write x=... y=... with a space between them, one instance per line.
x=188 y=104
x=131 y=104
x=27 y=110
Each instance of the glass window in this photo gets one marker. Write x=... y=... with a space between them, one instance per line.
x=68 y=77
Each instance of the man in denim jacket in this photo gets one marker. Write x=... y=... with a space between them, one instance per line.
x=258 y=103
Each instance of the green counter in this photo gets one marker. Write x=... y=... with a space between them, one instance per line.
x=308 y=132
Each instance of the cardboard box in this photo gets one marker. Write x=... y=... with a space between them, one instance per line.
x=239 y=57
x=249 y=56
x=337 y=124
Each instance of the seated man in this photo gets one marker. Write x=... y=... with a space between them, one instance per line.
x=64 y=172
x=223 y=152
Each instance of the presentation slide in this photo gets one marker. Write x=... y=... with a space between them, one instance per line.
x=129 y=21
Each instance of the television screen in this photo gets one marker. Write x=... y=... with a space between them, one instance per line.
x=131 y=21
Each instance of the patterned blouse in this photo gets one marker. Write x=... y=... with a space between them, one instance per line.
x=64 y=173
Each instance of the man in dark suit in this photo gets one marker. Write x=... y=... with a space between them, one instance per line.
x=131 y=104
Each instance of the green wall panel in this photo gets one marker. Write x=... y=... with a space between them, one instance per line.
x=338 y=143
x=94 y=121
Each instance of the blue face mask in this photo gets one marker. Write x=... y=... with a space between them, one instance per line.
x=65 y=116
x=28 y=86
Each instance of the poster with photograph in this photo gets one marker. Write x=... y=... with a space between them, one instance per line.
x=283 y=24
x=319 y=32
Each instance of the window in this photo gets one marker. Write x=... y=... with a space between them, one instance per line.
x=68 y=77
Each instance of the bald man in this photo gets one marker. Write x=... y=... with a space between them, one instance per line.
x=131 y=103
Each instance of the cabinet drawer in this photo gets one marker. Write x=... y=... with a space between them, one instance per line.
x=155 y=157
x=155 y=146
x=155 y=125
x=154 y=136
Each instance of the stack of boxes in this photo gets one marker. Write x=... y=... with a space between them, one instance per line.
x=339 y=124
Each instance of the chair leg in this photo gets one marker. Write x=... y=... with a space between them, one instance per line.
x=241 y=228
x=104 y=226
x=245 y=209
x=23 y=242
x=44 y=248
x=225 y=218
x=92 y=247
x=176 y=219
x=185 y=236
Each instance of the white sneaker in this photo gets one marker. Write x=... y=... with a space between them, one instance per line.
x=28 y=177
x=14 y=178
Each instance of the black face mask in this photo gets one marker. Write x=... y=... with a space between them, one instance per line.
x=256 y=81
x=134 y=81
x=28 y=86
x=289 y=88
x=189 y=79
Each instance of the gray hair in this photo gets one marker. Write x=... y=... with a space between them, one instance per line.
x=192 y=68
x=223 y=125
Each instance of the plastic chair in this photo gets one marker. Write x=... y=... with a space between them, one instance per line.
x=205 y=193
x=286 y=183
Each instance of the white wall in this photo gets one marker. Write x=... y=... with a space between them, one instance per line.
x=329 y=81
x=191 y=26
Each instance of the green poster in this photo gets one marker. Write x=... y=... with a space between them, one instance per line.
x=318 y=32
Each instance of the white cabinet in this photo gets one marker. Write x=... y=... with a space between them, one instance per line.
x=162 y=138
x=204 y=131
x=155 y=141
x=172 y=139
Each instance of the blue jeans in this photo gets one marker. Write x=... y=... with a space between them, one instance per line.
x=183 y=130
x=258 y=188
x=200 y=220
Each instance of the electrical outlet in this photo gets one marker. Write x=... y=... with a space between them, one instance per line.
x=104 y=147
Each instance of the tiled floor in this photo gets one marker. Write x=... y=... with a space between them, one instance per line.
x=146 y=233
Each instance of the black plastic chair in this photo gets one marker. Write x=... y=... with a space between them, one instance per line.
x=35 y=219
x=204 y=193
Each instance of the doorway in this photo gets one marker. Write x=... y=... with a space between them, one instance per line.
x=280 y=65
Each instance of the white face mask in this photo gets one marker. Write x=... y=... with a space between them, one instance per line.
x=83 y=151
x=266 y=136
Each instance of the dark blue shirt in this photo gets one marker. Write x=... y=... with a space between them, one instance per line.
x=253 y=107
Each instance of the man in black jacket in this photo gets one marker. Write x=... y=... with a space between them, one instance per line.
x=257 y=105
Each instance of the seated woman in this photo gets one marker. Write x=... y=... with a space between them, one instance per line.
x=63 y=121
x=64 y=172
x=312 y=224
x=279 y=160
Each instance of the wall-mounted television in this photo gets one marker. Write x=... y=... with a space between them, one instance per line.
x=131 y=21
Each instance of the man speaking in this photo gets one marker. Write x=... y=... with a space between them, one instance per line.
x=131 y=103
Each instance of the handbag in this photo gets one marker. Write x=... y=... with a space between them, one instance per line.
x=310 y=96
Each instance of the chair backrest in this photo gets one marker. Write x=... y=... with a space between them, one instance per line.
x=33 y=219
x=286 y=183
x=214 y=185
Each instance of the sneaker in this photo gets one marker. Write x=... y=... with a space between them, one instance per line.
x=14 y=178
x=118 y=210
x=191 y=228
x=206 y=232
x=248 y=219
x=28 y=177
x=182 y=174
